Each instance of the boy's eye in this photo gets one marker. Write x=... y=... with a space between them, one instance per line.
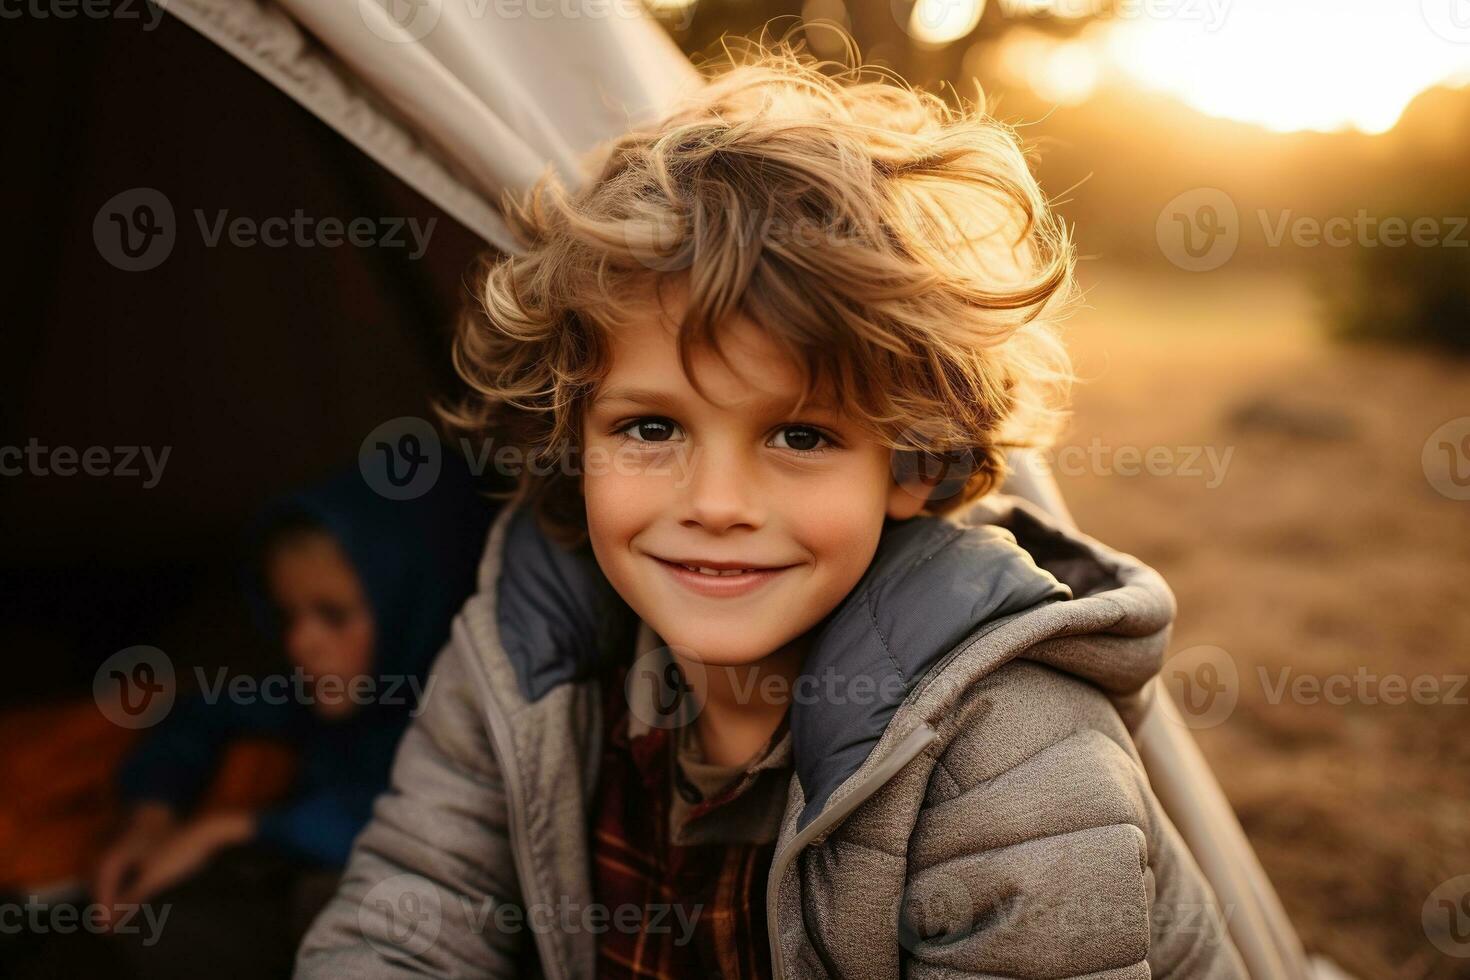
x=797 y=438
x=333 y=615
x=801 y=438
x=650 y=430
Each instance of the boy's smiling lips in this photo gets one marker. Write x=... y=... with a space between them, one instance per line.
x=727 y=580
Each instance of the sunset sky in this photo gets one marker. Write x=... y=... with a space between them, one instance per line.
x=1283 y=64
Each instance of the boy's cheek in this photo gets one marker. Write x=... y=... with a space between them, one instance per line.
x=620 y=504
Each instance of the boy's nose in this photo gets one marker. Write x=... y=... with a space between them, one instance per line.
x=303 y=641
x=723 y=492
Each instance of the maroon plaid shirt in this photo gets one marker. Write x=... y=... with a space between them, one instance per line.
x=718 y=885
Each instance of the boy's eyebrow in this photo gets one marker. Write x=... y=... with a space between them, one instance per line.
x=663 y=399
x=644 y=396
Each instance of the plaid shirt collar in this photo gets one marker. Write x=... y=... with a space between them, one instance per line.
x=709 y=803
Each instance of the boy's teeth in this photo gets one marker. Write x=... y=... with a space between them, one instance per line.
x=715 y=571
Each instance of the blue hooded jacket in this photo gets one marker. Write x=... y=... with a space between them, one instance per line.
x=417 y=560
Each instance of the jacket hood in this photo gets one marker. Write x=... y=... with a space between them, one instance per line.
x=936 y=586
x=416 y=557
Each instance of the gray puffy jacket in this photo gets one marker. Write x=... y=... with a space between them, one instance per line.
x=972 y=805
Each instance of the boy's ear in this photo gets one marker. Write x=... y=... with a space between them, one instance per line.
x=907 y=498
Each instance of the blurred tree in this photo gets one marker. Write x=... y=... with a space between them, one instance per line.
x=927 y=42
x=1409 y=294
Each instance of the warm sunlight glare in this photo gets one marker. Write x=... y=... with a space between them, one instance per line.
x=938 y=22
x=1064 y=72
x=1295 y=64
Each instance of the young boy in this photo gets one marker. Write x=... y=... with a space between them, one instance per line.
x=356 y=592
x=761 y=680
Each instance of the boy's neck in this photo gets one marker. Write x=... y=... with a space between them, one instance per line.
x=743 y=706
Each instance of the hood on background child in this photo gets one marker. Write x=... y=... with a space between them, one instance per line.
x=415 y=561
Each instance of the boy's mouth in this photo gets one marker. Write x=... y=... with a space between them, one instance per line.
x=720 y=578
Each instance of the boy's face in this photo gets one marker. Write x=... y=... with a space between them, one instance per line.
x=734 y=482
x=327 y=623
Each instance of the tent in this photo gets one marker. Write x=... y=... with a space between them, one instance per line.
x=464 y=100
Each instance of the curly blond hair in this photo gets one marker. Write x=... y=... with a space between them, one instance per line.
x=898 y=249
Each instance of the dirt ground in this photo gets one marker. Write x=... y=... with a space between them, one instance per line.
x=1290 y=511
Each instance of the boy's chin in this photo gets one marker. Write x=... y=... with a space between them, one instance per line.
x=718 y=648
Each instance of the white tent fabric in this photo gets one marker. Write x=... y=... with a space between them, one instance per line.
x=461 y=99
x=467 y=99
